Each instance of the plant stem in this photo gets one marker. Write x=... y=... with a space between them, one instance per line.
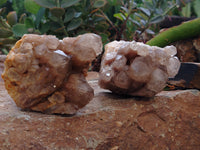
x=183 y=31
x=109 y=21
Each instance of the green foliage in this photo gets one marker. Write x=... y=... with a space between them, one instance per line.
x=5 y=34
x=5 y=29
x=2 y=2
x=196 y=7
x=135 y=19
x=74 y=24
x=99 y=3
x=18 y=6
x=12 y=18
x=189 y=8
x=56 y=3
x=68 y=3
x=185 y=30
x=111 y=19
x=31 y=6
x=46 y=3
x=19 y=30
x=57 y=11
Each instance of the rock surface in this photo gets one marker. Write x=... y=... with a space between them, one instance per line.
x=188 y=77
x=188 y=50
x=136 y=69
x=2 y=59
x=45 y=74
x=170 y=120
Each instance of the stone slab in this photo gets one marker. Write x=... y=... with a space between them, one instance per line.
x=170 y=120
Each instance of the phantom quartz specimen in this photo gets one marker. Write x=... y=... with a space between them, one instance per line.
x=137 y=69
x=45 y=74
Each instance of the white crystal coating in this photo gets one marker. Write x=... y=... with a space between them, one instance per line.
x=170 y=50
x=77 y=47
x=137 y=69
x=173 y=66
x=61 y=53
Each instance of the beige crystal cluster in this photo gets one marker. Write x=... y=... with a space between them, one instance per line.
x=136 y=69
x=45 y=74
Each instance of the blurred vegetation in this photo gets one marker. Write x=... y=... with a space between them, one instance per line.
x=111 y=19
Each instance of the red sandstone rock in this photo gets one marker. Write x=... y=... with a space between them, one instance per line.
x=170 y=120
x=2 y=59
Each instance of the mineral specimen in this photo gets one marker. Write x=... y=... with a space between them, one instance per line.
x=45 y=74
x=136 y=69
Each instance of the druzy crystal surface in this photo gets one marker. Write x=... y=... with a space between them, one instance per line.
x=137 y=69
x=45 y=74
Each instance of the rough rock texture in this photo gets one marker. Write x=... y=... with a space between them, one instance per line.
x=170 y=120
x=188 y=77
x=196 y=43
x=188 y=50
x=2 y=59
x=45 y=74
x=137 y=69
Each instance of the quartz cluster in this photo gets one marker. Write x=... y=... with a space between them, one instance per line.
x=137 y=69
x=45 y=74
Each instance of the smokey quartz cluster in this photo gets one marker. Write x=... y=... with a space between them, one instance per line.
x=137 y=69
x=45 y=74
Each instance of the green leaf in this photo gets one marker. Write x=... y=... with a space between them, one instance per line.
x=39 y=17
x=8 y=41
x=101 y=26
x=77 y=14
x=53 y=18
x=4 y=24
x=69 y=15
x=29 y=23
x=57 y=12
x=157 y=19
x=186 y=11
x=112 y=2
x=5 y=51
x=119 y=16
x=149 y=5
x=31 y=6
x=4 y=33
x=135 y=22
x=19 y=30
x=2 y=2
x=2 y=10
x=99 y=3
x=139 y=16
x=68 y=3
x=143 y=22
x=55 y=26
x=44 y=27
x=46 y=3
x=125 y=9
x=18 y=6
x=12 y=18
x=74 y=24
x=145 y=11
x=149 y=31
x=196 y=7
